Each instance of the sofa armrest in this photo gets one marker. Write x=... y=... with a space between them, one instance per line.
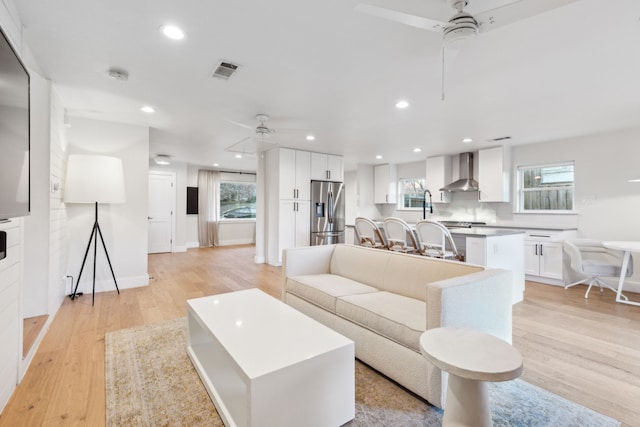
x=479 y=301
x=305 y=260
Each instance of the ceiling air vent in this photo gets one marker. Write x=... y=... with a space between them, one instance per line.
x=224 y=70
x=502 y=138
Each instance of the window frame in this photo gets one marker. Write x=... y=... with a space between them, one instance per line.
x=220 y=212
x=520 y=190
x=400 y=202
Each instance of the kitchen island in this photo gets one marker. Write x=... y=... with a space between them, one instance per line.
x=497 y=248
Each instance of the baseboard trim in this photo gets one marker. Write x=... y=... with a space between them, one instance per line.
x=236 y=242
x=108 y=285
x=190 y=245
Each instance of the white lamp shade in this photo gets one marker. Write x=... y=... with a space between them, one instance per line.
x=93 y=178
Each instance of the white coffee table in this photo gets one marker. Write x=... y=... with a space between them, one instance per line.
x=471 y=358
x=265 y=364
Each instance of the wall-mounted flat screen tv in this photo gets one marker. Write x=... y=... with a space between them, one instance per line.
x=14 y=133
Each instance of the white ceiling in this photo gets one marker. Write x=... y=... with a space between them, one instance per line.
x=320 y=65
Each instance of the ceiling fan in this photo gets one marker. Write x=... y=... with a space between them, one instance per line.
x=256 y=143
x=462 y=25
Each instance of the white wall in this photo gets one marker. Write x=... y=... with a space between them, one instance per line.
x=36 y=225
x=58 y=288
x=124 y=226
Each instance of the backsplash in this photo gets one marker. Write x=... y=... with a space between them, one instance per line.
x=466 y=207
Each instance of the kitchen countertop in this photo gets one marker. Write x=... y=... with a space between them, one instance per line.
x=471 y=232
x=515 y=227
x=482 y=232
x=526 y=227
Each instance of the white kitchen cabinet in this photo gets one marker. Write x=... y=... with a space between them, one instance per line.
x=543 y=258
x=295 y=225
x=288 y=206
x=294 y=177
x=439 y=175
x=326 y=167
x=385 y=183
x=494 y=166
x=505 y=252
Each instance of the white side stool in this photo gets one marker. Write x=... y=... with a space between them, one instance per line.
x=471 y=358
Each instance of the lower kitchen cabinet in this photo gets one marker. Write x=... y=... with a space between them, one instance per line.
x=543 y=260
x=500 y=251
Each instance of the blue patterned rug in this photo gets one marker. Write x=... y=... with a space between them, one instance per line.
x=381 y=402
x=150 y=381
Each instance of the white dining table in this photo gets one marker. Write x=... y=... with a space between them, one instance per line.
x=627 y=247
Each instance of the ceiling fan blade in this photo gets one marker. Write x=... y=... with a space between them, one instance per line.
x=512 y=12
x=401 y=17
x=284 y=131
x=250 y=145
x=240 y=146
x=240 y=124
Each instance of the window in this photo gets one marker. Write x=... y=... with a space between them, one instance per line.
x=547 y=188
x=411 y=191
x=237 y=200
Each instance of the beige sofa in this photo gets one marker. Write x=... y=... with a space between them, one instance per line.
x=384 y=301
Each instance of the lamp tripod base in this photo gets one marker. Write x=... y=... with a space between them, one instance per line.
x=93 y=238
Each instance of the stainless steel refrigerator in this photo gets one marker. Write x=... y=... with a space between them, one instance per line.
x=327 y=213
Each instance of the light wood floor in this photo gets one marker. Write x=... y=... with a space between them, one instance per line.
x=585 y=350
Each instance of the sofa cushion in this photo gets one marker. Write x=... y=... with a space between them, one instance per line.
x=396 y=317
x=323 y=289
x=364 y=265
x=408 y=275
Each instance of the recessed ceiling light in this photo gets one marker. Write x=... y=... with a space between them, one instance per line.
x=467 y=140
x=402 y=104
x=148 y=109
x=172 y=32
x=310 y=138
x=417 y=150
x=378 y=157
x=238 y=156
x=216 y=165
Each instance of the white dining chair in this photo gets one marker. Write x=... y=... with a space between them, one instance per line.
x=589 y=258
x=435 y=240
x=369 y=234
x=400 y=236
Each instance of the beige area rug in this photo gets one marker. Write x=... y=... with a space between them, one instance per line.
x=150 y=381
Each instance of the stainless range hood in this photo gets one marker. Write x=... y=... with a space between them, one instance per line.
x=466 y=181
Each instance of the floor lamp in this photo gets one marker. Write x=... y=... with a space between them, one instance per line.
x=94 y=179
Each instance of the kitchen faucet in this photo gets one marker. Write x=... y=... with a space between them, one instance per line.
x=424 y=204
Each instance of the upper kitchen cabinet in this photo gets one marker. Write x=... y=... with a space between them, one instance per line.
x=385 y=183
x=439 y=175
x=326 y=167
x=494 y=166
x=294 y=179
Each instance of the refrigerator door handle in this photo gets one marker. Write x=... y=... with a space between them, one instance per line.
x=330 y=210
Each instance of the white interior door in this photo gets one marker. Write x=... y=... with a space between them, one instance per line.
x=161 y=208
